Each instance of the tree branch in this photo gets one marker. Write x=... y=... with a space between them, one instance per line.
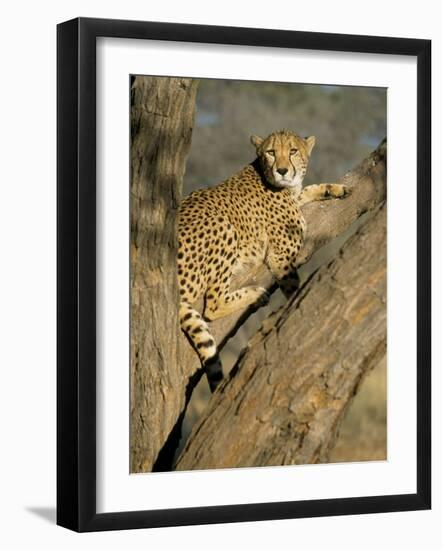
x=288 y=392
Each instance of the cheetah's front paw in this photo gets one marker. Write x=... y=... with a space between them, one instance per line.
x=345 y=191
x=337 y=191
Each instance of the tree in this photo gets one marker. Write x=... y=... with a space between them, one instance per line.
x=164 y=367
x=162 y=111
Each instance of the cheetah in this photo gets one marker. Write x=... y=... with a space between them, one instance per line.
x=253 y=217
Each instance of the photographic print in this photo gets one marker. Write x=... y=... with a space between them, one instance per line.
x=258 y=221
x=222 y=274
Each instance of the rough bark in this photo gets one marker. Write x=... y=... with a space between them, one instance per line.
x=162 y=114
x=288 y=392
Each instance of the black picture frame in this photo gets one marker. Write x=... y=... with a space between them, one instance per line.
x=76 y=274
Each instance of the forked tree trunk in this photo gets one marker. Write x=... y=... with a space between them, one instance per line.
x=161 y=126
x=164 y=368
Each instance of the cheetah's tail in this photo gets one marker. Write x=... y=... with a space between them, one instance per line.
x=199 y=334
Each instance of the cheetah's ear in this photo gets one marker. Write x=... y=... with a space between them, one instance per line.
x=310 y=143
x=256 y=141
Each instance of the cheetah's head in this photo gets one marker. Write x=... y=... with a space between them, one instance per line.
x=284 y=158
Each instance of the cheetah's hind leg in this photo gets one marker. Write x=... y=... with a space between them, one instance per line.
x=197 y=330
x=226 y=303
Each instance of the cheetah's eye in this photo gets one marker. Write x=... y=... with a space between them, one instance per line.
x=293 y=151
x=271 y=152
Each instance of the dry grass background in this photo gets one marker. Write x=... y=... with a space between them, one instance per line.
x=363 y=433
x=348 y=123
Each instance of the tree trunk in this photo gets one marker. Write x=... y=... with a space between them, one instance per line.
x=288 y=392
x=162 y=114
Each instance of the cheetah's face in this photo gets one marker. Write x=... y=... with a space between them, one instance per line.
x=284 y=158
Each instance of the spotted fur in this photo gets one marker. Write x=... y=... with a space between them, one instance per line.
x=253 y=217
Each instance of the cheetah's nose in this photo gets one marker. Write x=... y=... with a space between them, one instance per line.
x=282 y=171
